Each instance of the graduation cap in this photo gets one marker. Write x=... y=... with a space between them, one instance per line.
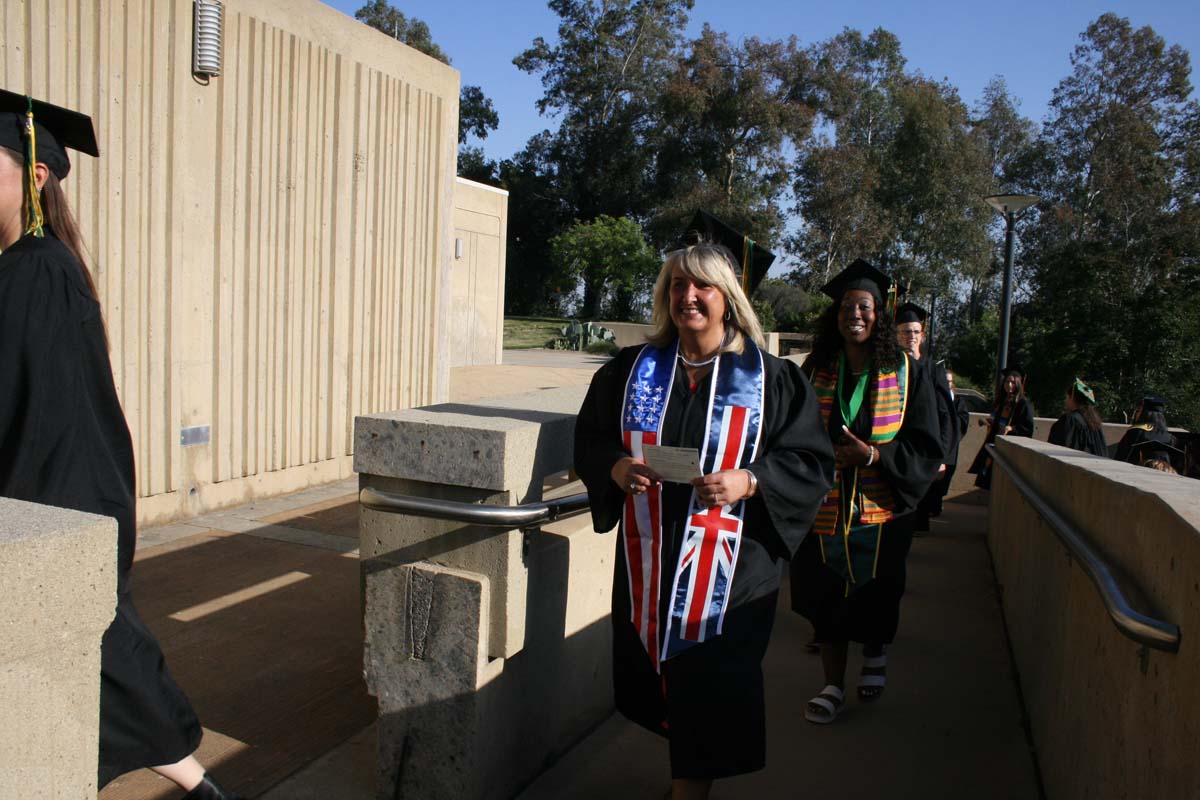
x=859 y=275
x=1084 y=391
x=1150 y=449
x=1013 y=369
x=1154 y=402
x=911 y=312
x=753 y=261
x=56 y=130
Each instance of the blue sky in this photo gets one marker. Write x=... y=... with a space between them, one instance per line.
x=1029 y=43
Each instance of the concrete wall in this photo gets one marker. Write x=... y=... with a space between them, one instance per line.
x=58 y=579
x=489 y=653
x=962 y=487
x=476 y=325
x=1103 y=726
x=272 y=247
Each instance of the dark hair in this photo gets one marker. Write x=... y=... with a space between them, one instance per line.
x=1157 y=420
x=1000 y=396
x=60 y=219
x=1086 y=407
x=885 y=352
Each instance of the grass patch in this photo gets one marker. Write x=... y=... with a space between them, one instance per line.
x=527 y=333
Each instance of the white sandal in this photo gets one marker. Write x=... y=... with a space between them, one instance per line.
x=824 y=708
x=873 y=678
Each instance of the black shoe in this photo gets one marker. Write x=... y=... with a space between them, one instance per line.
x=209 y=789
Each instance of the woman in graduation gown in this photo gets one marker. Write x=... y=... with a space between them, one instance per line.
x=697 y=568
x=1149 y=425
x=1012 y=415
x=63 y=437
x=1080 y=428
x=881 y=414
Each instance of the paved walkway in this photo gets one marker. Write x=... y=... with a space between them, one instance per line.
x=258 y=612
x=949 y=724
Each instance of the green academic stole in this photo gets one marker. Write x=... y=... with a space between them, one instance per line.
x=865 y=484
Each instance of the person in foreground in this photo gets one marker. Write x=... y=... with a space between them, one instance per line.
x=879 y=411
x=698 y=564
x=1012 y=415
x=1080 y=428
x=63 y=437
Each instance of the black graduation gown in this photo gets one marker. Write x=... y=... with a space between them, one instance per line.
x=948 y=436
x=708 y=700
x=64 y=442
x=871 y=612
x=1071 y=430
x=1022 y=425
x=1135 y=436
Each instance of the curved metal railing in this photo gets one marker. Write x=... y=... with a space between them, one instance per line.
x=1133 y=624
x=500 y=517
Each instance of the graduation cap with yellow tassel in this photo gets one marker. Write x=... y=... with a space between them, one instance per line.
x=752 y=259
x=42 y=132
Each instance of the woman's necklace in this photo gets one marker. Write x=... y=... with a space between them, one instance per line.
x=698 y=364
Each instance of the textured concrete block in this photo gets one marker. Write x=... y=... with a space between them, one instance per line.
x=500 y=444
x=58 y=586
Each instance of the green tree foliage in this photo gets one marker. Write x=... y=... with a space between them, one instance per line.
x=602 y=81
x=612 y=259
x=791 y=307
x=1113 y=253
x=476 y=114
x=729 y=113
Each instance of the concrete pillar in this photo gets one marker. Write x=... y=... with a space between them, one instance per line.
x=58 y=586
x=489 y=652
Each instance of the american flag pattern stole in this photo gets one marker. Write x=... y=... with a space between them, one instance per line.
x=712 y=537
x=646 y=395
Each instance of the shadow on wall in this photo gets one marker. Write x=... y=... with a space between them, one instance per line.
x=456 y=724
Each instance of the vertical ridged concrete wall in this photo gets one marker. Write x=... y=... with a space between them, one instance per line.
x=272 y=248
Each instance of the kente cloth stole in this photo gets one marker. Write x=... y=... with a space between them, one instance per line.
x=712 y=538
x=865 y=488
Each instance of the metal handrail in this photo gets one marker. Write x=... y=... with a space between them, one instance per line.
x=1133 y=624
x=502 y=517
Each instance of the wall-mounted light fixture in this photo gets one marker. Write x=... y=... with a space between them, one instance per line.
x=458 y=248
x=208 y=17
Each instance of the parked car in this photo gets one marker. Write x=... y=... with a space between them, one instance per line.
x=975 y=401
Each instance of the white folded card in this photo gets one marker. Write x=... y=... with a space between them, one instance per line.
x=674 y=464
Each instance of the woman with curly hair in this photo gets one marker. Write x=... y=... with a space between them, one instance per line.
x=848 y=576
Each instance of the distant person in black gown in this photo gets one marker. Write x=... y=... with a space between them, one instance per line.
x=1080 y=428
x=1149 y=425
x=63 y=437
x=910 y=335
x=1012 y=415
x=962 y=418
x=881 y=414
x=690 y=630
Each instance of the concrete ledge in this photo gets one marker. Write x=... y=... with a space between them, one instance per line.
x=1108 y=719
x=58 y=580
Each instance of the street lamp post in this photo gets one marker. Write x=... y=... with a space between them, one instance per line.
x=1009 y=206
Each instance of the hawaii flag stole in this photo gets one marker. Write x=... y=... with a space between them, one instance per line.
x=712 y=537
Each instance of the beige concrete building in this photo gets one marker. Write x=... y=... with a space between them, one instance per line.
x=274 y=246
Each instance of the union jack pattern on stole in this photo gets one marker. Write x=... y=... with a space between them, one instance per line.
x=704 y=572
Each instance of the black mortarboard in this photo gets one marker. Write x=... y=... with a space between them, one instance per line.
x=753 y=261
x=56 y=130
x=1084 y=391
x=911 y=312
x=1013 y=369
x=1150 y=448
x=1154 y=402
x=859 y=275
